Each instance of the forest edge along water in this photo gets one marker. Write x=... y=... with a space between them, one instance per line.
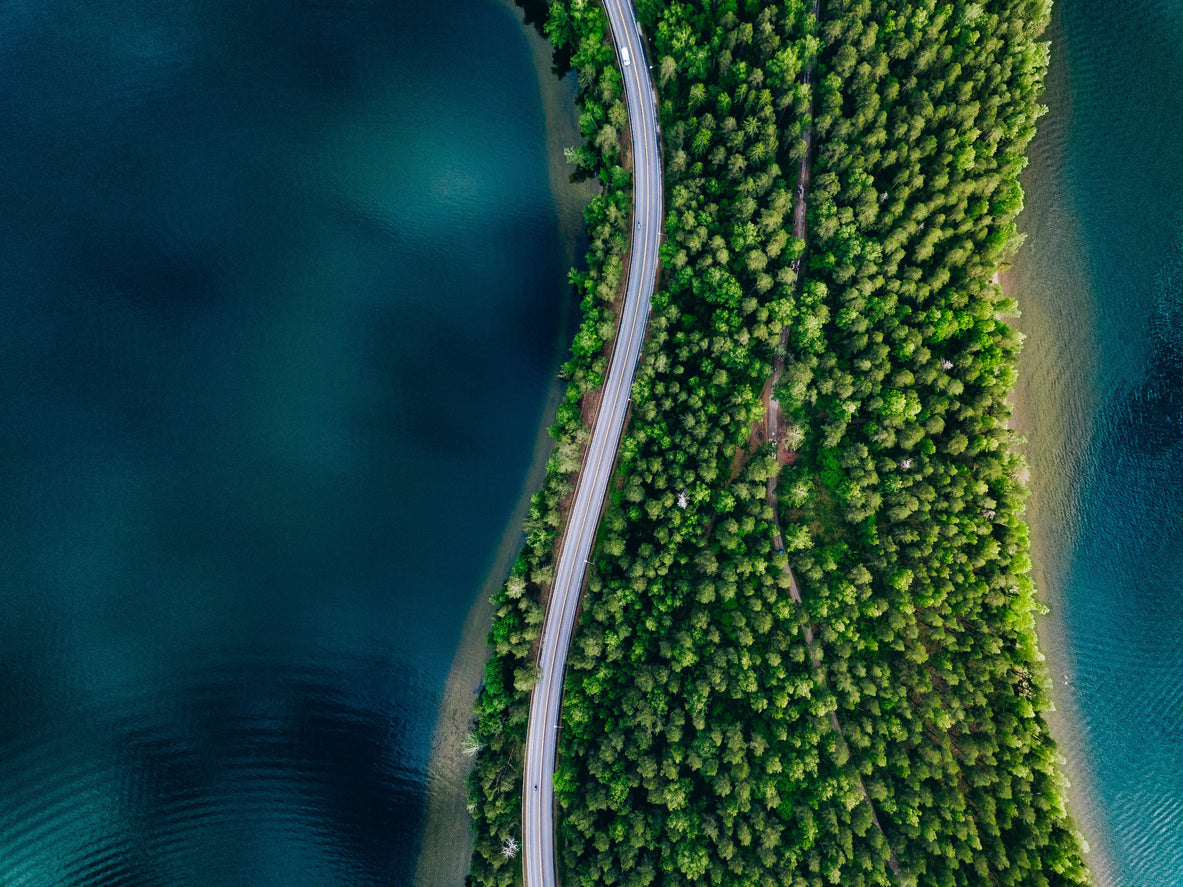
x=1100 y=388
x=1132 y=825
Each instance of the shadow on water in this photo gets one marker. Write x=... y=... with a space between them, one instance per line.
x=447 y=840
x=535 y=13
x=1150 y=416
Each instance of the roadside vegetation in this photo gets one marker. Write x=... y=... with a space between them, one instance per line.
x=698 y=744
x=498 y=739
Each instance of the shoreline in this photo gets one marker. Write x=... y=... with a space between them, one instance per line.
x=1028 y=411
x=445 y=848
x=1040 y=413
x=446 y=843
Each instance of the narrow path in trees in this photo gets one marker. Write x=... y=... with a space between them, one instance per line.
x=773 y=419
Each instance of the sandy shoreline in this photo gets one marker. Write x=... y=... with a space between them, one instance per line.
x=446 y=843
x=1036 y=415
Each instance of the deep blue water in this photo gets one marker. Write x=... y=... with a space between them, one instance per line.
x=1101 y=286
x=280 y=290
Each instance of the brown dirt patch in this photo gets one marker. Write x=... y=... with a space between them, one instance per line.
x=589 y=407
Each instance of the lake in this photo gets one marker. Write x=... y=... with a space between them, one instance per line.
x=1100 y=283
x=284 y=296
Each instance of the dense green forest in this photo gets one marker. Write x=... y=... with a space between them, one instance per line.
x=703 y=742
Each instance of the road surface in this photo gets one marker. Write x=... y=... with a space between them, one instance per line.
x=538 y=836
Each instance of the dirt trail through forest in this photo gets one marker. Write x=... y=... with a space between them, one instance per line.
x=775 y=428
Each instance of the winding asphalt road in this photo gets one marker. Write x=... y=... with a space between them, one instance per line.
x=538 y=836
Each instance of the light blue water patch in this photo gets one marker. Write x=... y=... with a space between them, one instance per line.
x=1101 y=286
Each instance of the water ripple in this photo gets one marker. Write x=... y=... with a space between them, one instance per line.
x=256 y=758
x=1101 y=285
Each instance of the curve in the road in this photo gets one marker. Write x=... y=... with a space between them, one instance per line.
x=538 y=839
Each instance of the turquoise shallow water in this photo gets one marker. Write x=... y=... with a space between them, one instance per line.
x=281 y=309
x=1101 y=398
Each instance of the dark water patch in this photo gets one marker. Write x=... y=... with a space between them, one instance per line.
x=1153 y=424
x=536 y=14
x=265 y=761
x=282 y=291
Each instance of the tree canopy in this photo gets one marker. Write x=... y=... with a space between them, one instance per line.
x=704 y=740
